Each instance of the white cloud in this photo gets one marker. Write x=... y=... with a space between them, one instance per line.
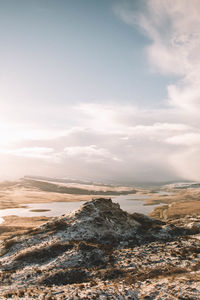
x=132 y=144
x=124 y=142
x=90 y=153
x=34 y=152
x=186 y=161
x=174 y=29
x=188 y=139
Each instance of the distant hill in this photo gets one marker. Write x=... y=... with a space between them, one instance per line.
x=56 y=188
x=62 y=180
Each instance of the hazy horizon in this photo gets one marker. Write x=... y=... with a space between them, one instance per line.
x=106 y=90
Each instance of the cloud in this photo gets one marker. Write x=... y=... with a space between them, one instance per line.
x=34 y=152
x=123 y=142
x=173 y=28
x=173 y=31
x=188 y=139
x=186 y=161
x=131 y=145
x=90 y=153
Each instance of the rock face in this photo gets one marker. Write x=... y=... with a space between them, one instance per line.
x=99 y=243
x=98 y=220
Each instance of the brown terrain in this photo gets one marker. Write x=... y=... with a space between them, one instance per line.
x=176 y=202
x=102 y=252
x=20 y=193
x=179 y=204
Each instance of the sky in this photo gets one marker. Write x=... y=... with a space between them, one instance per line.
x=101 y=90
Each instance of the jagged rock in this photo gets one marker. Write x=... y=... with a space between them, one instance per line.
x=194 y=227
x=97 y=220
x=147 y=221
x=99 y=243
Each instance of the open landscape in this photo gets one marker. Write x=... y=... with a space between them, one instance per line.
x=18 y=194
x=100 y=149
x=100 y=251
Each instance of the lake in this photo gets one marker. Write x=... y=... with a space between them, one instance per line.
x=130 y=203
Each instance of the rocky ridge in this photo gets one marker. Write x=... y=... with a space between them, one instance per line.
x=103 y=252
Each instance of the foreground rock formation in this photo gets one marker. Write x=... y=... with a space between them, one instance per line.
x=102 y=252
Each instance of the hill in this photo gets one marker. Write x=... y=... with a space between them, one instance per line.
x=102 y=251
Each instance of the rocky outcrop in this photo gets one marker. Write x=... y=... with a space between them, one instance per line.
x=99 y=244
x=98 y=220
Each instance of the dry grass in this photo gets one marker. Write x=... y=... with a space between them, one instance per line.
x=13 y=194
x=179 y=209
x=7 y=245
x=42 y=254
x=14 y=225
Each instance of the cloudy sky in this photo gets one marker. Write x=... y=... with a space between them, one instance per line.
x=105 y=90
